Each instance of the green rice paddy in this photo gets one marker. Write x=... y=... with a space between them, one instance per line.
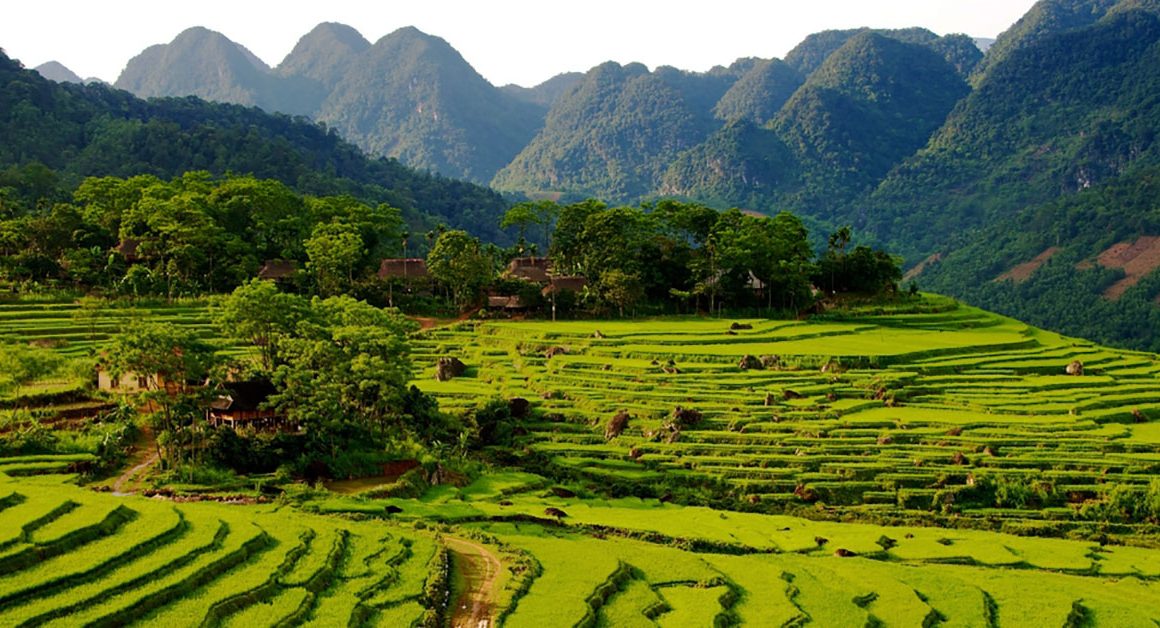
x=843 y=482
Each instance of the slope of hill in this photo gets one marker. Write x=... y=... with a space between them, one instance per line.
x=1064 y=114
x=412 y=96
x=203 y=63
x=1046 y=18
x=871 y=104
x=614 y=134
x=93 y=130
x=760 y=93
x=1100 y=281
x=325 y=53
x=960 y=50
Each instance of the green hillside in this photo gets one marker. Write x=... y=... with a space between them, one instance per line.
x=613 y=135
x=78 y=131
x=1071 y=112
x=413 y=97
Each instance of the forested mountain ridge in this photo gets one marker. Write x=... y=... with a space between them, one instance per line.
x=615 y=132
x=872 y=103
x=1040 y=191
x=74 y=131
x=1065 y=114
x=410 y=95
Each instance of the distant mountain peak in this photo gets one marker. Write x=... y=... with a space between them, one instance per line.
x=324 y=53
x=56 y=71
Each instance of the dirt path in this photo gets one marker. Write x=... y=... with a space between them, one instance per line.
x=474 y=607
x=427 y=322
x=144 y=457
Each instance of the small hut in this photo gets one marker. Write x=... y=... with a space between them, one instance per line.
x=242 y=404
x=127 y=247
x=278 y=270
x=405 y=268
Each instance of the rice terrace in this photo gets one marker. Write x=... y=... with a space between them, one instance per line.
x=865 y=334
x=927 y=464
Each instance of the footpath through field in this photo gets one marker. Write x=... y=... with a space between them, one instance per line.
x=474 y=607
x=144 y=456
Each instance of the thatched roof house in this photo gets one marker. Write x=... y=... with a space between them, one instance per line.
x=565 y=284
x=241 y=404
x=127 y=247
x=405 y=268
x=535 y=269
x=278 y=269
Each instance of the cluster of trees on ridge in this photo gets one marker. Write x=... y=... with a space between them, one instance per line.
x=196 y=234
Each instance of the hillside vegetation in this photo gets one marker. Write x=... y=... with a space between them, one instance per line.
x=57 y=134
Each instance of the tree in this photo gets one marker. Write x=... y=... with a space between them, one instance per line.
x=620 y=288
x=567 y=246
x=259 y=313
x=175 y=363
x=458 y=262
x=24 y=364
x=333 y=250
x=521 y=216
x=348 y=362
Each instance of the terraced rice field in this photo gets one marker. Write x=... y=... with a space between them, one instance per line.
x=888 y=414
x=66 y=326
x=622 y=582
x=73 y=557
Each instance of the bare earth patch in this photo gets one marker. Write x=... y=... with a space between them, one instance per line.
x=921 y=266
x=1023 y=271
x=1137 y=259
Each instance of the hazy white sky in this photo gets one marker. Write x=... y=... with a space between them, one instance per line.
x=507 y=41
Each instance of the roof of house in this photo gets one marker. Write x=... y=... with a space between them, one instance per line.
x=407 y=268
x=243 y=396
x=278 y=269
x=505 y=302
x=530 y=268
x=565 y=284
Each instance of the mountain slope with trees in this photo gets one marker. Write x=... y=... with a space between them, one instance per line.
x=613 y=135
x=56 y=134
x=410 y=95
x=1065 y=114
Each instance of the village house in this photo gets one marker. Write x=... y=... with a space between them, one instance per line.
x=243 y=405
x=408 y=269
x=534 y=269
x=278 y=270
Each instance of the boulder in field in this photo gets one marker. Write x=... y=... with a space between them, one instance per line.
x=448 y=368
x=616 y=425
x=552 y=511
x=750 y=363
